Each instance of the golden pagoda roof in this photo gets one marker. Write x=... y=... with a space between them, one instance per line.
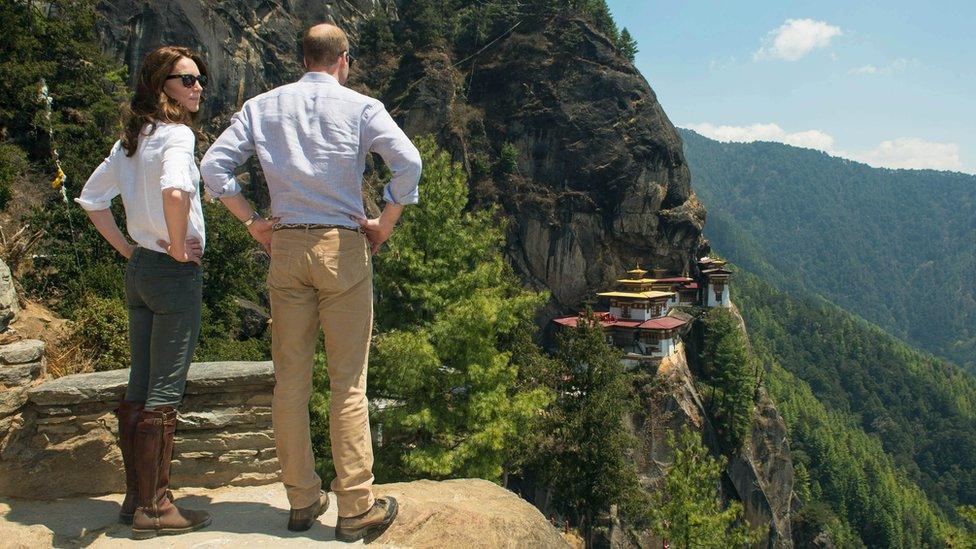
x=637 y=295
x=666 y=280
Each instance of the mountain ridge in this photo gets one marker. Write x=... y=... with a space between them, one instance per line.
x=902 y=242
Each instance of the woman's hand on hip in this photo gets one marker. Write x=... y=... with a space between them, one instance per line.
x=190 y=251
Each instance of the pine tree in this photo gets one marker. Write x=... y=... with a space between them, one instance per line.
x=584 y=454
x=687 y=511
x=627 y=45
x=730 y=375
x=449 y=310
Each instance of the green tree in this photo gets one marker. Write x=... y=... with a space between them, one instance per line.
x=449 y=310
x=967 y=539
x=585 y=447
x=687 y=510
x=627 y=45
x=730 y=377
x=56 y=42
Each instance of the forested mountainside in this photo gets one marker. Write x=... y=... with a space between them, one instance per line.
x=897 y=247
x=886 y=434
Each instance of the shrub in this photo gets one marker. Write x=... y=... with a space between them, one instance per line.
x=101 y=330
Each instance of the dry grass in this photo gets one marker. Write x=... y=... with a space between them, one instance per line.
x=71 y=359
x=63 y=356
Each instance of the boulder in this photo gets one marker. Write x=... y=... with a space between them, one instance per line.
x=456 y=513
x=22 y=352
x=465 y=513
x=21 y=374
x=9 y=306
x=254 y=318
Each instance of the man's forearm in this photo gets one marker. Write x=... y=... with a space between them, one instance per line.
x=391 y=214
x=238 y=205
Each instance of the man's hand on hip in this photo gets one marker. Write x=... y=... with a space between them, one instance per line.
x=377 y=231
x=261 y=230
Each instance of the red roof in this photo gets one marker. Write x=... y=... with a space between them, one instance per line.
x=673 y=279
x=663 y=323
x=607 y=320
x=690 y=286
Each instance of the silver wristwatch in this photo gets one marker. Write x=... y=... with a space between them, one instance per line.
x=254 y=217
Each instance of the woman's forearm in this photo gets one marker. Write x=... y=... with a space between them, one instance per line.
x=106 y=225
x=176 y=210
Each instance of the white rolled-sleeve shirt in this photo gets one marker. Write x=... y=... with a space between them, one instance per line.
x=163 y=159
x=312 y=138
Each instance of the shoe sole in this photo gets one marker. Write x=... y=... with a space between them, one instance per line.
x=148 y=534
x=371 y=532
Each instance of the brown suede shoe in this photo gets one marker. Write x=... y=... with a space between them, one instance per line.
x=369 y=525
x=302 y=519
x=156 y=515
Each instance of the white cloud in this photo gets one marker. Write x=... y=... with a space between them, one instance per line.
x=913 y=153
x=898 y=65
x=811 y=139
x=796 y=38
x=904 y=152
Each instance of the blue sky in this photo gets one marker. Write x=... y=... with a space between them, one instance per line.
x=888 y=83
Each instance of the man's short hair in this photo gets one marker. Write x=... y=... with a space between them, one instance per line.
x=323 y=44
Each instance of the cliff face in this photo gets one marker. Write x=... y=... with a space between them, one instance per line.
x=601 y=181
x=606 y=181
x=760 y=474
x=250 y=46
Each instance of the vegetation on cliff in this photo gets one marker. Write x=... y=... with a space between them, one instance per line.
x=687 y=511
x=729 y=382
x=885 y=434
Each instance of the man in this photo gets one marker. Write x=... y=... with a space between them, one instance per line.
x=312 y=138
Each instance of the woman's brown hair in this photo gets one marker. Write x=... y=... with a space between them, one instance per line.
x=150 y=104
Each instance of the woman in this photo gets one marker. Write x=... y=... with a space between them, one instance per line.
x=154 y=169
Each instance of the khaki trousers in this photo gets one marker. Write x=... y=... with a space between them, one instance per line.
x=322 y=277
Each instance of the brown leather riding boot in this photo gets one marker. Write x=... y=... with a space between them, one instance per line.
x=128 y=416
x=156 y=515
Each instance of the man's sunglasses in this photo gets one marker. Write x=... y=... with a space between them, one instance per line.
x=189 y=80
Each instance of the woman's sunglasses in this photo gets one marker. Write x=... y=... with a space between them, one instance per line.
x=189 y=80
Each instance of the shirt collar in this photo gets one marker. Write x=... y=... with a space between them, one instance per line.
x=322 y=77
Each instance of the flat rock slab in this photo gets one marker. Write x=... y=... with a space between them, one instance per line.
x=108 y=386
x=22 y=352
x=459 y=513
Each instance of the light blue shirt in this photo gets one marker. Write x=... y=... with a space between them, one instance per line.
x=312 y=138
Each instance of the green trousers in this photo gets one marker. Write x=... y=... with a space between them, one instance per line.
x=164 y=300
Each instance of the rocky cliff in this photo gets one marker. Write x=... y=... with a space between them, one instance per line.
x=250 y=46
x=760 y=474
x=601 y=180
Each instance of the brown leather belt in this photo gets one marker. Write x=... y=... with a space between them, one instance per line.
x=315 y=227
